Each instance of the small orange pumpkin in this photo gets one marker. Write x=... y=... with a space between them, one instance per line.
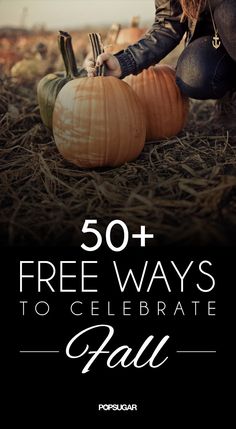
x=165 y=107
x=114 y=48
x=110 y=45
x=130 y=34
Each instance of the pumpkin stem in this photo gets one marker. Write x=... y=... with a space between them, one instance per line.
x=61 y=44
x=112 y=34
x=97 y=47
x=73 y=72
x=135 y=22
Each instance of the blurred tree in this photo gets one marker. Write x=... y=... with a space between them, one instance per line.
x=24 y=16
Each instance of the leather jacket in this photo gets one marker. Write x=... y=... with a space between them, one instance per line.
x=165 y=34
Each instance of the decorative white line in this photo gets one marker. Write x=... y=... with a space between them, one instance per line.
x=39 y=351
x=195 y=351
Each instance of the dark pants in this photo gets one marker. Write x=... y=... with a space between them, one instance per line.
x=204 y=72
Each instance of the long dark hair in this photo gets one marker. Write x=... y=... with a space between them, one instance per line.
x=191 y=8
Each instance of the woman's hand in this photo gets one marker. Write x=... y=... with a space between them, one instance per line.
x=111 y=62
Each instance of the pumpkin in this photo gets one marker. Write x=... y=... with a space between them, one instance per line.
x=98 y=121
x=131 y=34
x=115 y=43
x=8 y=59
x=29 y=69
x=49 y=87
x=115 y=47
x=165 y=107
x=110 y=45
x=112 y=35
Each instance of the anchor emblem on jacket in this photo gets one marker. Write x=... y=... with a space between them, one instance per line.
x=216 y=41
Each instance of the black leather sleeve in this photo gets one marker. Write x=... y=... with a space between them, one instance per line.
x=164 y=35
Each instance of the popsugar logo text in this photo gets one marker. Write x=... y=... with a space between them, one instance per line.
x=117 y=407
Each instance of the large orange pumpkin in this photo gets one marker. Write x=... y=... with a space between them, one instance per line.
x=98 y=121
x=165 y=107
